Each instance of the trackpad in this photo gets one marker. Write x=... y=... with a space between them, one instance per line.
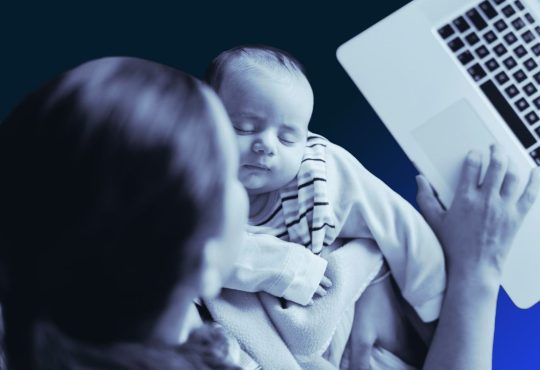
x=447 y=137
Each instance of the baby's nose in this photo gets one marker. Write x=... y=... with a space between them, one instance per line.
x=263 y=146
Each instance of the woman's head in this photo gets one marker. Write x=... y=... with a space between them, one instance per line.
x=114 y=177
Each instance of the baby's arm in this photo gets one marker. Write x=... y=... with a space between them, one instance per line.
x=280 y=268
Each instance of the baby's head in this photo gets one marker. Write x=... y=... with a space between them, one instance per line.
x=270 y=102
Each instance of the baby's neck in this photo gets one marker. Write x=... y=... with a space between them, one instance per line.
x=258 y=203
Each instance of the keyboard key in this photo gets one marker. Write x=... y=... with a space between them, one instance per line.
x=535 y=154
x=500 y=50
x=488 y=10
x=537 y=102
x=530 y=64
x=536 y=49
x=461 y=24
x=465 y=57
x=528 y=37
x=511 y=91
x=501 y=78
x=499 y=1
x=476 y=19
x=477 y=72
x=519 y=76
x=510 y=63
x=532 y=118
x=510 y=38
x=537 y=130
x=481 y=52
x=472 y=39
x=529 y=89
x=492 y=65
x=520 y=51
x=446 y=31
x=537 y=29
x=508 y=114
x=456 y=44
x=501 y=25
x=490 y=37
x=518 y=24
x=522 y=104
x=519 y=5
x=508 y=11
x=537 y=78
x=529 y=18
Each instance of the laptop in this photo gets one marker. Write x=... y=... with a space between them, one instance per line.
x=448 y=76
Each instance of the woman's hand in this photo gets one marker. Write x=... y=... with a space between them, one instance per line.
x=380 y=320
x=477 y=230
x=476 y=233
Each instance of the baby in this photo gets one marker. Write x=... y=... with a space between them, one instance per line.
x=308 y=195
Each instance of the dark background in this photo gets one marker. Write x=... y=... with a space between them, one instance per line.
x=38 y=41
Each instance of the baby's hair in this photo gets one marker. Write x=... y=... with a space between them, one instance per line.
x=249 y=56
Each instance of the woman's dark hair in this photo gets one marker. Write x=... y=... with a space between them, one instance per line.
x=102 y=195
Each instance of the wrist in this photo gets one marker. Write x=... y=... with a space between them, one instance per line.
x=479 y=278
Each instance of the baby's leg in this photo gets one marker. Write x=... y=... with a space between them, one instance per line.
x=381 y=321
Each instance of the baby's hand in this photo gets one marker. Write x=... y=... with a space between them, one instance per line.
x=283 y=269
x=322 y=289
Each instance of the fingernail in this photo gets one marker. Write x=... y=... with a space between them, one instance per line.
x=474 y=156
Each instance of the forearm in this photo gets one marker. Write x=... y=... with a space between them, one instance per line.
x=464 y=336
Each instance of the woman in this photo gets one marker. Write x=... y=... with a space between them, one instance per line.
x=110 y=227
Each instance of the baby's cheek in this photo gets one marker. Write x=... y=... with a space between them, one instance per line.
x=294 y=161
x=243 y=145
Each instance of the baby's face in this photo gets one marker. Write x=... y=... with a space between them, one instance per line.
x=270 y=112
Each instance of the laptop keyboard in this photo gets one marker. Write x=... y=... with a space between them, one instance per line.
x=498 y=43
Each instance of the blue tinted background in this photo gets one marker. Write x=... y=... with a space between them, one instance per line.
x=40 y=40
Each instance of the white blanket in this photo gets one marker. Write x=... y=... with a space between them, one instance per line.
x=296 y=337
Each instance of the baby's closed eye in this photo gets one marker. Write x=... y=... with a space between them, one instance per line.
x=244 y=127
x=289 y=137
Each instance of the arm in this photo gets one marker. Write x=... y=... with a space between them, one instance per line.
x=476 y=233
x=277 y=267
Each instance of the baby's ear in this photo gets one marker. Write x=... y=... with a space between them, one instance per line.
x=211 y=281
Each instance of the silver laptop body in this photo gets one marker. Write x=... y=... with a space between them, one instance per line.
x=448 y=76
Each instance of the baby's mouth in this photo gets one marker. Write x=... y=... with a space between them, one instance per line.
x=256 y=166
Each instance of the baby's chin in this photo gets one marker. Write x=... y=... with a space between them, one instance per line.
x=256 y=185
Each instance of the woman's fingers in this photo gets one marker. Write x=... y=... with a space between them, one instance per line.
x=530 y=193
x=428 y=202
x=496 y=170
x=510 y=183
x=470 y=173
